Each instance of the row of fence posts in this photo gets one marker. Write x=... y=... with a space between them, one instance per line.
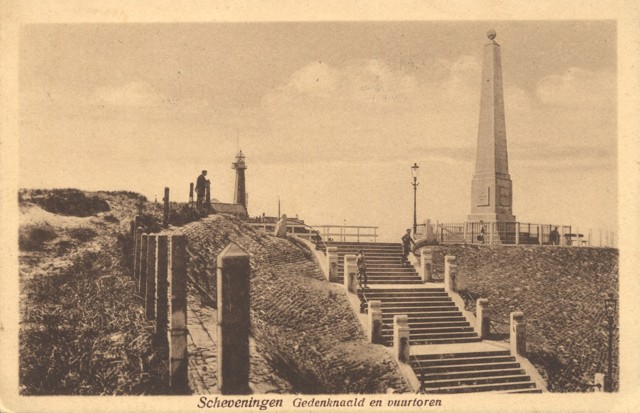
x=160 y=275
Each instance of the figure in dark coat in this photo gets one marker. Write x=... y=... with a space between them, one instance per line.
x=201 y=188
x=554 y=237
x=406 y=247
x=362 y=269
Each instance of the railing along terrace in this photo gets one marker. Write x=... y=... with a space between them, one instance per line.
x=520 y=233
x=344 y=233
x=301 y=230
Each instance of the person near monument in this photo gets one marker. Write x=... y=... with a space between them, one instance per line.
x=482 y=232
x=317 y=239
x=554 y=237
x=362 y=269
x=406 y=246
x=201 y=188
x=281 y=227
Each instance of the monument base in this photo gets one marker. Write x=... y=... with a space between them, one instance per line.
x=491 y=217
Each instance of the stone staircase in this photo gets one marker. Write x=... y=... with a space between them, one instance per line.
x=433 y=317
x=384 y=262
x=448 y=356
x=468 y=372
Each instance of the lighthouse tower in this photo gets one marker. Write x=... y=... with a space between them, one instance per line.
x=240 y=194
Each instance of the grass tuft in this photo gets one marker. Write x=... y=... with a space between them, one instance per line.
x=33 y=237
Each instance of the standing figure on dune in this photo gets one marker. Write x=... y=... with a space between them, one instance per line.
x=201 y=188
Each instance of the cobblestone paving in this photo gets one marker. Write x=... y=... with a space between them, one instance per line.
x=202 y=347
x=302 y=325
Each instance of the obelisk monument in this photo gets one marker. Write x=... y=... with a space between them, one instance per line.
x=240 y=194
x=491 y=188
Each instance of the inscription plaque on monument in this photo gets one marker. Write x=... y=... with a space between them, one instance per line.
x=484 y=198
x=504 y=196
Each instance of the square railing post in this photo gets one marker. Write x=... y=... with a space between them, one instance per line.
x=374 y=315
x=518 y=334
x=350 y=275
x=401 y=336
x=426 y=265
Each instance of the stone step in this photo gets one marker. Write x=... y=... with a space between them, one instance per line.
x=414 y=341
x=428 y=318
x=400 y=299
x=442 y=321
x=470 y=374
x=534 y=390
x=393 y=281
x=466 y=360
x=373 y=255
x=426 y=311
x=383 y=265
x=483 y=387
x=410 y=290
x=387 y=328
x=429 y=335
x=368 y=252
x=427 y=296
x=398 y=270
x=472 y=381
x=439 y=324
x=449 y=356
x=464 y=367
x=377 y=280
x=393 y=260
x=412 y=304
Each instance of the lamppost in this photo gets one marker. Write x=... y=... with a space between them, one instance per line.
x=415 y=171
x=610 y=304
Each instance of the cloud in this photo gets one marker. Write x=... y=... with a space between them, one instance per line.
x=371 y=81
x=578 y=88
x=132 y=94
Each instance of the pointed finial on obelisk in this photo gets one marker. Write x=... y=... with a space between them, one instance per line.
x=491 y=34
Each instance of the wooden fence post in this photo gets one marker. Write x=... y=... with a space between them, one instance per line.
x=142 y=281
x=165 y=215
x=150 y=288
x=177 y=334
x=136 y=255
x=162 y=287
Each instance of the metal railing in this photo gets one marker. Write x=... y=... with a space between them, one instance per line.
x=521 y=233
x=344 y=233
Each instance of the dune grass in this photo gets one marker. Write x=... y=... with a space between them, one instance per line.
x=84 y=333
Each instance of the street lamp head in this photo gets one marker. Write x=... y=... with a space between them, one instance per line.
x=415 y=170
x=610 y=304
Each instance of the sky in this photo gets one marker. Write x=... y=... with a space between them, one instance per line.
x=330 y=115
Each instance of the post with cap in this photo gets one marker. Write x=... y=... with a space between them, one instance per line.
x=234 y=320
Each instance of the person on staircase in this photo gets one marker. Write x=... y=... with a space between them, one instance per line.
x=362 y=269
x=407 y=241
